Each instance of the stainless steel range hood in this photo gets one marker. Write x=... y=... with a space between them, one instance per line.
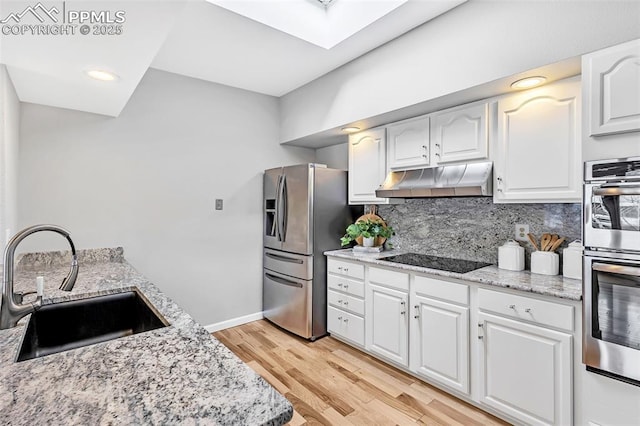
x=463 y=180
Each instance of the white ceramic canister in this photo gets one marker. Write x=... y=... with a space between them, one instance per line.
x=572 y=260
x=545 y=262
x=511 y=256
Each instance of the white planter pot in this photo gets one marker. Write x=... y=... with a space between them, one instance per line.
x=368 y=242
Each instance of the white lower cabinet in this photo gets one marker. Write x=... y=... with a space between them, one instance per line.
x=386 y=323
x=440 y=342
x=345 y=297
x=525 y=370
x=522 y=366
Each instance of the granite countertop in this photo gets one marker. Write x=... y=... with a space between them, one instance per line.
x=548 y=285
x=179 y=374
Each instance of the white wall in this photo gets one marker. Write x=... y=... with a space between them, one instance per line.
x=9 y=125
x=147 y=180
x=478 y=42
x=334 y=156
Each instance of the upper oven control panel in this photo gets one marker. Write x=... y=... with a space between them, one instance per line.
x=622 y=169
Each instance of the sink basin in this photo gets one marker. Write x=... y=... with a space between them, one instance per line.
x=63 y=326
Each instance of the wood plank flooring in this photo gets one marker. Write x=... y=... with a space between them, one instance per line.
x=330 y=383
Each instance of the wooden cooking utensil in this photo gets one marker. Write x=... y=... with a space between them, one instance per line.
x=554 y=238
x=557 y=244
x=544 y=241
x=532 y=240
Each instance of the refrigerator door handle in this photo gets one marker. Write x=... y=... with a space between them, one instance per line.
x=283 y=280
x=277 y=213
x=282 y=198
x=284 y=258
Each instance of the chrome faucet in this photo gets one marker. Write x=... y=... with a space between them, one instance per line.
x=12 y=308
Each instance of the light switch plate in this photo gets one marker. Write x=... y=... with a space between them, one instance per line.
x=219 y=203
x=521 y=232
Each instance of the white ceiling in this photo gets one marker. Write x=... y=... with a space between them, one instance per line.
x=189 y=37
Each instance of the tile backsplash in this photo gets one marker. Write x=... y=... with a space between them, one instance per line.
x=474 y=227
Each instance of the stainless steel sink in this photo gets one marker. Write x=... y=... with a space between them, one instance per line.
x=63 y=326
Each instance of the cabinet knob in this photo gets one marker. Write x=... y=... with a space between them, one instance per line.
x=499 y=179
x=346 y=303
x=346 y=286
x=339 y=318
x=512 y=306
x=339 y=284
x=340 y=301
x=499 y=189
x=402 y=312
x=528 y=310
x=438 y=145
x=416 y=316
x=402 y=302
x=339 y=268
x=346 y=320
x=424 y=155
x=424 y=146
x=437 y=154
x=346 y=269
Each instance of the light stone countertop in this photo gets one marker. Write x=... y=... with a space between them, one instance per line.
x=179 y=374
x=547 y=285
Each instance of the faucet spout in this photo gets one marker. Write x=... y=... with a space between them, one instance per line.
x=12 y=309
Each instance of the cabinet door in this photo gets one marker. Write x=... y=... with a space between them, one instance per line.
x=525 y=371
x=386 y=323
x=612 y=89
x=367 y=166
x=439 y=343
x=460 y=134
x=538 y=154
x=408 y=144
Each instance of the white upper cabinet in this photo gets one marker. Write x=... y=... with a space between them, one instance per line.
x=538 y=153
x=408 y=144
x=460 y=134
x=612 y=79
x=367 y=166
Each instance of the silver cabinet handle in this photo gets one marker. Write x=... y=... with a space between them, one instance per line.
x=339 y=268
x=339 y=318
x=499 y=179
x=528 y=310
x=424 y=155
x=346 y=320
x=340 y=284
x=346 y=303
x=424 y=146
x=283 y=280
x=340 y=301
x=512 y=306
x=480 y=331
x=417 y=308
x=402 y=302
x=346 y=286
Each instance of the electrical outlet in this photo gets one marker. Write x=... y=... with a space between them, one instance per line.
x=218 y=204
x=521 y=232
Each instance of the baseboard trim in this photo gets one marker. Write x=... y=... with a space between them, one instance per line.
x=233 y=322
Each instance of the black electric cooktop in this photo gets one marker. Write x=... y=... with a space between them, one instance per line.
x=434 y=262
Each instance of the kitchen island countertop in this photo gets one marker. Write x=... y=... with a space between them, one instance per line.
x=547 y=285
x=179 y=374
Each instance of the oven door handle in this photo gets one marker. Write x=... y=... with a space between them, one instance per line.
x=613 y=191
x=616 y=269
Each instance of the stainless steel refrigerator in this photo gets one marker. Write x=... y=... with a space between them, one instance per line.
x=305 y=214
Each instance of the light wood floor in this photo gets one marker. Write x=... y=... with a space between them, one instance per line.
x=331 y=383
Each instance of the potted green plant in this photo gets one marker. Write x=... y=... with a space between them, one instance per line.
x=371 y=232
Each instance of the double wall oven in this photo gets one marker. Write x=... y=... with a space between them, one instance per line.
x=611 y=303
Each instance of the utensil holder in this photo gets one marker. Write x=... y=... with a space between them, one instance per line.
x=545 y=263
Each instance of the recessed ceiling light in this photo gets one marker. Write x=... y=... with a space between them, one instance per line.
x=525 y=83
x=350 y=129
x=102 y=75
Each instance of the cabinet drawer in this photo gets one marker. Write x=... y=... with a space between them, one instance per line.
x=353 y=287
x=346 y=302
x=346 y=325
x=399 y=280
x=440 y=289
x=526 y=308
x=350 y=269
